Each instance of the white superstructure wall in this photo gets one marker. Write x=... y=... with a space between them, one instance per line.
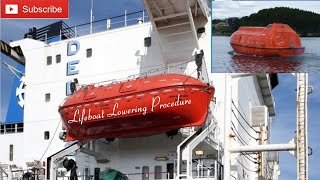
x=116 y=54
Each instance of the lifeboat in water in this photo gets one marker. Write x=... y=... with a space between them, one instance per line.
x=273 y=40
x=140 y=107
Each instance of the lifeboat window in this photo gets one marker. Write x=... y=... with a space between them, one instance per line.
x=282 y=26
x=58 y=58
x=11 y=152
x=47 y=97
x=49 y=60
x=158 y=171
x=145 y=172
x=269 y=26
x=89 y=52
x=46 y=135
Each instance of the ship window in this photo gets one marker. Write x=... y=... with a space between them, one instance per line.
x=46 y=135
x=2 y=129
x=269 y=26
x=10 y=128
x=11 y=152
x=58 y=58
x=145 y=172
x=20 y=127
x=47 y=97
x=96 y=173
x=86 y=173
x=89 y=52
x=49 y=60
x=282 y=26
x=158 y=171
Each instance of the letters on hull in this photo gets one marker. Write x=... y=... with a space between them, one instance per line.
x=139 y=107
x=273 y=40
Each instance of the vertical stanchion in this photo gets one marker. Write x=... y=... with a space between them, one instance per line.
x=125 y=17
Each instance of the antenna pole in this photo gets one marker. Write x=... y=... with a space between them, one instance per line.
x=91 y=16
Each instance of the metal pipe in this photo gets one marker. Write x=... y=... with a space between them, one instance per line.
x=259 y=148
x=227 y=126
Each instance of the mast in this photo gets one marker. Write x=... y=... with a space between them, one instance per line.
x=302 y=131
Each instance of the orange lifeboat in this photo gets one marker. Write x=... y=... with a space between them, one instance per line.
x=139 y=107
x=273 y=40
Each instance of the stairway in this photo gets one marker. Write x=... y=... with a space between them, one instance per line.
x=302 y=146
x=175 y=22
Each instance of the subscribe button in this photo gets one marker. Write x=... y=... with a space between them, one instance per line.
x=34 y=9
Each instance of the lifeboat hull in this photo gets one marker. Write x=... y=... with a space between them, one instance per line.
x=273 y=40
x=268 y=51
x=141 y=107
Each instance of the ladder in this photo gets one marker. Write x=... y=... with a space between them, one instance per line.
x=302 y=141
x=175 y=25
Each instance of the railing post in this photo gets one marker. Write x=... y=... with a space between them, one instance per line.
x=45 y=37
x=143 y=16
x=125 y=17
x=108 y=24
x=75 y=31
x=215 y=170
x=60 y=35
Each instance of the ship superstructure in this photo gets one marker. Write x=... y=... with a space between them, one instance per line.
x=175 y=40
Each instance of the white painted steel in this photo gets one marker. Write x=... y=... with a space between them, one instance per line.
x=259 y=148
x=227 y=126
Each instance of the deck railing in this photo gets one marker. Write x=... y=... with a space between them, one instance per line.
x=115 y=22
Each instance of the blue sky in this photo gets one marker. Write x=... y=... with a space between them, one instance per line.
x=283 y=128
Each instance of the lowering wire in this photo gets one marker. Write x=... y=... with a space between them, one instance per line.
x=243 y=118
x=242 y=126
x=244 y=155
x=241 y=140
x=245 y=166
x=243 y=159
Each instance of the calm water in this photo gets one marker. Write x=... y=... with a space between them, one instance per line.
x=225 y=60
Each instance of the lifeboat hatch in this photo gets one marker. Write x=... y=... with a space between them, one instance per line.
x=89 y=95
x=129 y=86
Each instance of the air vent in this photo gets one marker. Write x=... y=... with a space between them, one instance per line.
x=259 y=116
